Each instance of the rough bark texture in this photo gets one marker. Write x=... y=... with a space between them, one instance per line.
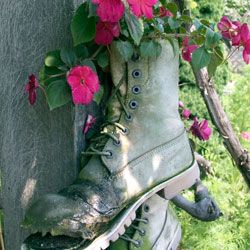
x=37 y=147
x=222 y=123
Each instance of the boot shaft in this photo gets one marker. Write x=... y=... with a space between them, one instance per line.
x=149 y=91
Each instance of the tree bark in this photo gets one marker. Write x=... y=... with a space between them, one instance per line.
x=222 y=123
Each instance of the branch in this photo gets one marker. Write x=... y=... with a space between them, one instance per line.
x=203 y=163
x=222 y=123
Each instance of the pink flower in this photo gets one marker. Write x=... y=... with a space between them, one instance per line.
x=188 y=49
x=186 y=113
x=181 y=104
x=142 y=7
x=245 y=135
x=84 y=83
x=31 y=87
x=201 y=130
x=230 y=30
x=89 y=122
x=165 y=12
x=109 y=10
x=245 y=42
x=105 y=32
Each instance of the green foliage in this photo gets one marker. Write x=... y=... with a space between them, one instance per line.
x=135 y=27
x=58 y=93
x=125 y=49
x=82 y=27
x=201 y=58
x=68 y=56
x=231 y=231
x=237 y=103
x=211 y=10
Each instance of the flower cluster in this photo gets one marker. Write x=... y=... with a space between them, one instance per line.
x=201 y=129
x=237 y=33
x=110 y=13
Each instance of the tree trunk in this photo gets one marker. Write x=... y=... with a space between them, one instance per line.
x=37 y=146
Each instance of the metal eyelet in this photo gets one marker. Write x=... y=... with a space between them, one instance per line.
x=136 y=90
x=125 y=131
x=110 y=156
x=142 y=232
x=135 y=57
x=136 y=73
x=146 y=208
x=133 y=104
x=117 y=143
x=137 y=243
x=128 y=118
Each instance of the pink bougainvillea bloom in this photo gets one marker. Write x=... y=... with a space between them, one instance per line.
x=245 y=135
x=105 y=32
x=109 y=10
x=186 y=113
x=89 y=123
x=165 y=12
x=31 y=87
x=188 y=49
x=230 y=30
x=142 y=7
x=245 y=42
x=201 y=129
x=84 y=84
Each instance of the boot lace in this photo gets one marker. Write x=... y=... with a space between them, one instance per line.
x=97 y=143
x=142 y=232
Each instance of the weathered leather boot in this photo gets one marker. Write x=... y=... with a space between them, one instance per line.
x=142 y=149
x=155 y=228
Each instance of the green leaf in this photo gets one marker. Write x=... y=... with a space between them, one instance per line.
x=200 y=58
x=89 y=63
x=83 y=28
x=172 y=7
x=103 y=59
x=98 y=95
x=52 y=59
x=197 y=23
x=174 y=24
x=58 y=93
x=81 y=51
x=150 y=49
x=92 y=9
x=135 y=27
x=227 y=43
x=125 y=48
x=212 y=38
x=186 y=19
x=216 y=59
x=68 y=56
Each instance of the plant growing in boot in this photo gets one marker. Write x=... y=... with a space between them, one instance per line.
x=142 y=146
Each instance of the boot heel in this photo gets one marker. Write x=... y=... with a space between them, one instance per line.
x=180 y=182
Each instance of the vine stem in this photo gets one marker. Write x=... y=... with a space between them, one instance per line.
x=96 y=52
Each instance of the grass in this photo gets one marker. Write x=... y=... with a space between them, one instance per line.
x=232 y=231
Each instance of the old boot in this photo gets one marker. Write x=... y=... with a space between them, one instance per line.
x=143 y=148
x=155 y=228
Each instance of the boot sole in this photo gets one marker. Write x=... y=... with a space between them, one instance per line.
x=170 y=189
